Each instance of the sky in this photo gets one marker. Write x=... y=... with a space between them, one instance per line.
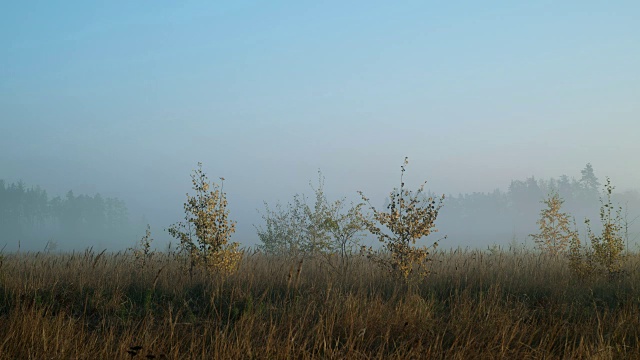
x=125 y=98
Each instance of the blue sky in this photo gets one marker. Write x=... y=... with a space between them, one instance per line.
x=124 y=98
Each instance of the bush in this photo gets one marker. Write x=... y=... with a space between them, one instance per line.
x=205 y=233
x=609 y=245
x=555 y=233
x=409 y=217
x=606 y=253
x=142 y=251
x=322 y=229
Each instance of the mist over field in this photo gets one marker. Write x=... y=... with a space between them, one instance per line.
x=246 y=180
x=492 y=103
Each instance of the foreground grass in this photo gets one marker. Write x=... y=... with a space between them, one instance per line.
x=475 y=305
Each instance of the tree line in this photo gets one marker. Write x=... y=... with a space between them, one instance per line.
x=501 y=215
x=32 y=220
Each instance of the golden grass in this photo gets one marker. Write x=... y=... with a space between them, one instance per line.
x=500 y=305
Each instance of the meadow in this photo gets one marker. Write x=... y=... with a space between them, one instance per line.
x=475 y=304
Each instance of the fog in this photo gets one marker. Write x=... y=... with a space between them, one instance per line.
x=123 y=100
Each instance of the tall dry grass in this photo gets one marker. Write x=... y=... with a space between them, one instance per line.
x=475 y=304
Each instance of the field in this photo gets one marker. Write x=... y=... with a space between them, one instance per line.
x=475 y=304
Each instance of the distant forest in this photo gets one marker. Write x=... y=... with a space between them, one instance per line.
x=33 y=220
x=29 y=216
x=499 y=216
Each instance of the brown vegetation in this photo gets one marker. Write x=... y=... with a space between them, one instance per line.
x=205 y=233
x=505 y=304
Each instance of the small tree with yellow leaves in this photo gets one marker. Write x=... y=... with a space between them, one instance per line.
x=409 y=217
x=609 y=245
x=555 y=231
x=580 y=257
x=205 y=233
x=606 y=252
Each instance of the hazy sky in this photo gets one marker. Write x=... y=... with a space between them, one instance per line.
x=124 y=98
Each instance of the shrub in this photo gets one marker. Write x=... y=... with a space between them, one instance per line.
x=555 y=233
x=580 y=257
x=142 y=251
x=409 y=217
x=346 y=225
x=609 y=245
x=322 y=229
x=279 y=235
x=606 y=253
x=205 y=233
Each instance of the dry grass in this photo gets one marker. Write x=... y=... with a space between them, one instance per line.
x=474 y=305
